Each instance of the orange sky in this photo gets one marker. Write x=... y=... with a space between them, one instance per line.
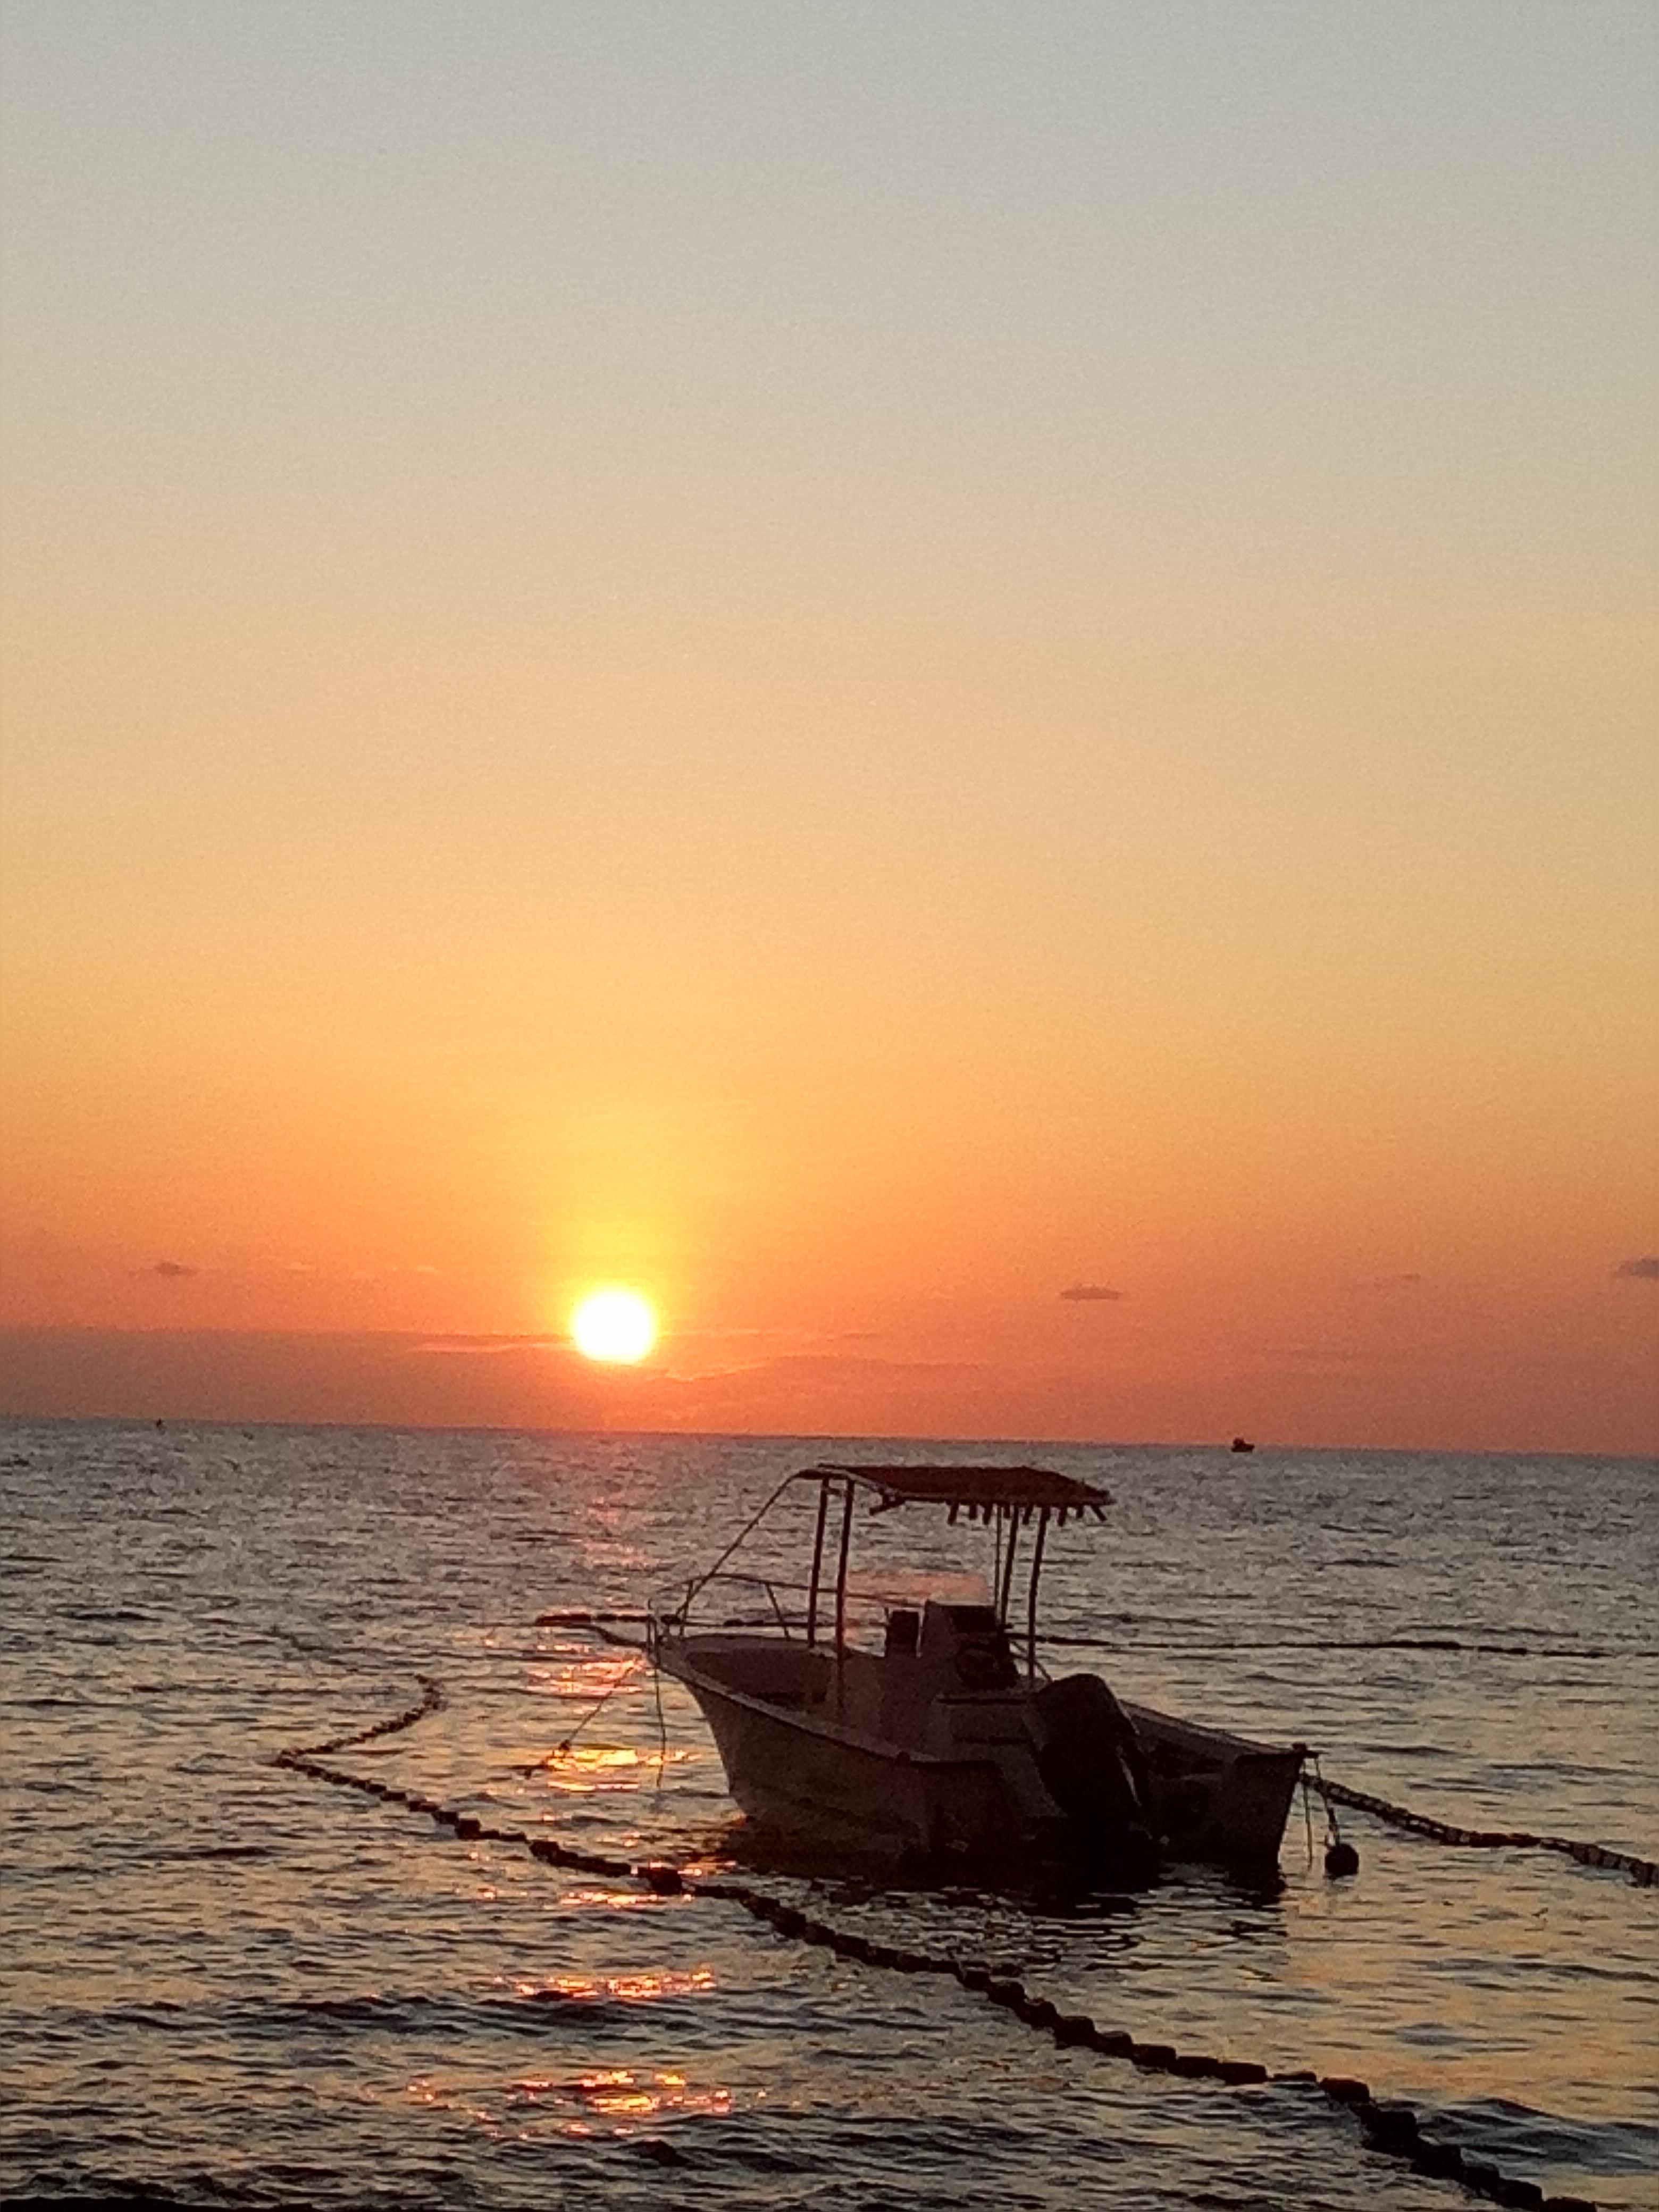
x=841 y=672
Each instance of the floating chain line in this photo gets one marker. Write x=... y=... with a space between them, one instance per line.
x=1642 y=1872
x=432 y=1700
x=1389 y=2126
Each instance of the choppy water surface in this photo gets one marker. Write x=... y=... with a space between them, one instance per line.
x=220 y=1980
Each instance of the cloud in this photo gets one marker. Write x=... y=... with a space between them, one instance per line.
x=1645 y=1270
x=1088 y=1294
x=487 y=1346
x=172 y=1269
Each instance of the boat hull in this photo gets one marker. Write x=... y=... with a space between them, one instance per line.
x=808 y=1780
x=801 y=1772
x=1216 y=1798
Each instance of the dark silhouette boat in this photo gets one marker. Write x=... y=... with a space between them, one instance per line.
x=951 y=1742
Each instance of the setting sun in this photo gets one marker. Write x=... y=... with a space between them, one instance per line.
x=614 y=1325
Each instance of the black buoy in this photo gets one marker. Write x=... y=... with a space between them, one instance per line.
x=1340 y=1860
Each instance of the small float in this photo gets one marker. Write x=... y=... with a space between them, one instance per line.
x=951 y=1742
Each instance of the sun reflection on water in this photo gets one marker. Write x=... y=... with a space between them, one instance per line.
x=609 y=1900
x=621 y=2093
x=643 y=1987
x=618 y=2097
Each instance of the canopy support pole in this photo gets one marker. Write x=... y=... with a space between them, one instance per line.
x=1031 y=1595
x=840 y=1600
x=817 y=1565
x=1008 y=1564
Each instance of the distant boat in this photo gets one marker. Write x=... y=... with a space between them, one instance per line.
x=1242 y=1444
x=951 y=1742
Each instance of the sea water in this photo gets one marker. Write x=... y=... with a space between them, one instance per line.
x=225 y=1984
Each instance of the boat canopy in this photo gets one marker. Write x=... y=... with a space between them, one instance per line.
x=1004 y=1499
x=973 y=1490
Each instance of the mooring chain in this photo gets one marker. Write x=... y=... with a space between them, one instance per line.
x=1642 y=1872
x=1387 y=2126
x=432 y=1698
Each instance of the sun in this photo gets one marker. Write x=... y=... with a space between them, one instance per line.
x=614 y=1325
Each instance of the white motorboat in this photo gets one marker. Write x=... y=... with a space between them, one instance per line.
x=951 y=1743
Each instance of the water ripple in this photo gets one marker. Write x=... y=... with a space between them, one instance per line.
x=255 y=1990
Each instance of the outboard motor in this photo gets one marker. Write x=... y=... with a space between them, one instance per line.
x=1092 y=1766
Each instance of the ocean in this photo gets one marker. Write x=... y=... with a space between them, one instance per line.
x=224 y=1983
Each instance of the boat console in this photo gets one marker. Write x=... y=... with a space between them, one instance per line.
x=965 y=1647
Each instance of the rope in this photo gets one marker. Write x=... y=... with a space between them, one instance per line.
x=747 y=1529
x=582 y=1619
x=1121 y=1644
x=592 y=1712
x=1642 y=1872
x=1391 y=2127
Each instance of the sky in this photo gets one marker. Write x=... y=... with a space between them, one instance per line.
x=969 y=689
